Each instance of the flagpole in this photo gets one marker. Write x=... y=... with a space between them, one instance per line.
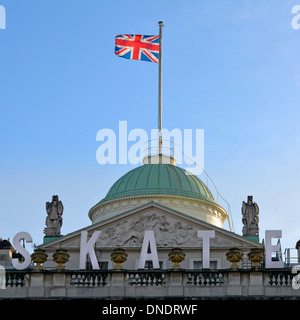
x=160 y=23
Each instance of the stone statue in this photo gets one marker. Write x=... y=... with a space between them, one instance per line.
x=54 y=217
x=250 y=219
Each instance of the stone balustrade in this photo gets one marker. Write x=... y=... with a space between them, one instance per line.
x=63 y=283
x=147 y=278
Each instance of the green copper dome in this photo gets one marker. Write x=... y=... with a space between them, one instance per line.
x=153 y=179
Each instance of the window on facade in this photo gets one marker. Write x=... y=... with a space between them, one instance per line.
x=198 y=265
x=102 y=265
x=149 y=265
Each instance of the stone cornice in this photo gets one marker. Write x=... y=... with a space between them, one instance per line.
x=179 y=202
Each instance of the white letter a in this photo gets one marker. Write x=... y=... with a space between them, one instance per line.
x=149 y=242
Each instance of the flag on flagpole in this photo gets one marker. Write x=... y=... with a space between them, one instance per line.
x=137 y=47
x=147 y=48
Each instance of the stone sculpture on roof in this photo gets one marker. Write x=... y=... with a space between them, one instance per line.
x=250 y=219
x=54 y=217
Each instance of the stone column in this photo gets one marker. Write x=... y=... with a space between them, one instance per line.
x=58 y=284
x=175 y=284
x=256 y=287
x=117 y=287
x=234 y=283
x=36 y=284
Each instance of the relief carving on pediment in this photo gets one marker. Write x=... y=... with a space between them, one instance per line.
x=168 y=232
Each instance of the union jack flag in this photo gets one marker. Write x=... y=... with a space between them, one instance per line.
x=137 y=47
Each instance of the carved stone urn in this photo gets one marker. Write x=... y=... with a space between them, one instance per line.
x=38 y=257
x=256 y=256
x=118 y=256
x=60 y=257
x=176 y=255
x=234 y=255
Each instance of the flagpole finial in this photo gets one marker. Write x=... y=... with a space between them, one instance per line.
x=160 y=22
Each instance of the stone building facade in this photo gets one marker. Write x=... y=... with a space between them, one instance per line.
x=105 y=259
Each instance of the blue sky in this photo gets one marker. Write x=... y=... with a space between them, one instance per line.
x=229 y=67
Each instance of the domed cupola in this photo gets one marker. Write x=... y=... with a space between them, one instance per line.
x=164 y=183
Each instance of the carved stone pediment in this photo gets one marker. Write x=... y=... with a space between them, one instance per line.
x=171 y=229
x=169 y=232
x=130 y=233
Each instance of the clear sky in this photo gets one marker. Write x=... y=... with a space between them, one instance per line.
x=231 y=68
